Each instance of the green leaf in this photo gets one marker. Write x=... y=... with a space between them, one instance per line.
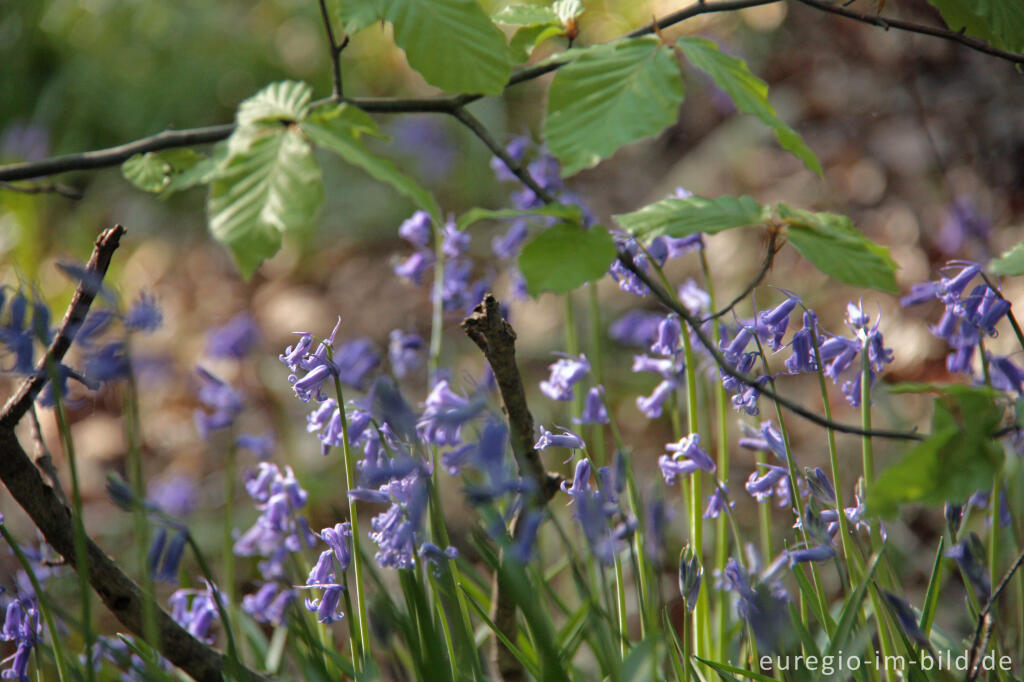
x=1010 y=263
x=201 y=173
x=269 y=184
x=608 y=96
x=727 y=669
x=565 y=256
x=748 y=92
x=567 y=9
x=526 y=15
x=282 y=101
x=341 y=128
x=152 y=171
x=682 y=217
x=851 y=609
x=998 y=22
x=355 y=15
x=567 y=212
x=958 y=459
x=838 y=249
x=528 y=37
x=452 y=43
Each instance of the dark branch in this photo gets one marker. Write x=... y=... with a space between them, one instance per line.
x=55 y=188
x=336 y=49
x=20 y=403
x=627 y=260
x=945 y=34
x=489 y=330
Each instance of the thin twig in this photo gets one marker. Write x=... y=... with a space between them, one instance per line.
x=886 y=23
x=65 y=191
x=976 y=646
x=43 y=458
x=19 y=403
x=336 y=49
x=766 y=265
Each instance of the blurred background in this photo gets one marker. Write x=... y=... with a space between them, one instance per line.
x=922 y=142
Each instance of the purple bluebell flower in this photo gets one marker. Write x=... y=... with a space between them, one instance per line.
x=417 y=229
x=444 y=415
x=969 y=554
x=260 y=445
x=507 y=245
x=802 y=347
x=594 y=411
x=21 y=626
x=815 y=554
x=567 y=371
x=693 y=298
x=270 y=602
x=517 y=150
x=772 y=324
x=415 y=266
x=963 y=222
x=690 y=575
x=396 y=530
x=526 y=538
x=327 y=608
x=669 y=336
x=165 y=554
x=176 y=495
x=234 y=339
x=580 y=481
x=437 y=556
x=991 y=309
x=625 y=277
x=108 y=362
x=767 y=439
x=921 y=293
x=906 y=618
x=566 y=439
x=404 y=352
x=279 y=530
x=652 y=405
x=668 y=368
x=764 y=607
x=196 y=611
x=838 y=354
x=145 y=315
x=718 y=502
x=737 y=346
x=689 y=448
x=762 y=486
x=635 y=328
x=223 y=404
x=454 y=242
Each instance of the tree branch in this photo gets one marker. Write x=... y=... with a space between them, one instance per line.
x=496 y=339
x=977 y=645
x=121 y=595
x=335 y=48
x=54 y=188
x=766 y=265
x=945 y=34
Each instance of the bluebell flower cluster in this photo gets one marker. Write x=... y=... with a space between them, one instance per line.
x=333 y=562
x=167 y=547
x=966 y=316
x=22 y=627
x=687 y=457
x=598 y=511
x=196 y=611
x=764 y=605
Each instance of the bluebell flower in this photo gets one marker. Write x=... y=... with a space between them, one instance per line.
x=821 y=486
x=580 y=481
x=635 y=328
x=693 y=298
x=507 y=245
x=767 y=439
x=734 y=349
x=690 y=575
x=108 y=362
x=921 y=293
x=145 y=315
x=437 y=556
x=763 y=486
x=417 y=229
x=91 y=280
x=457 y=291
x=772 y=324
x=454 y=242
x=176 y=495
x=906 y=618
x=838 y=354
x=415 y=266
x=566 y=439
x=669 y=341
x=764 y=607
x=969 y=554
x=58 y=385
x=963 y=222
x=689 y=448
x=260 y=445
x=404 y=352
x=718 y=502
x=625 y=277
x=235 y=339
x=652 y=405
x=815 y=554
x=269 y=603
x=21 y=626
x=567 y=371
x=165 y=554
x=802 y=348
x=397 y=530
x=196 y=611
x=223 y=404
x=444 y=415
x=279 y=530
x=521 y=549
x=668 y=368
x=594 y=410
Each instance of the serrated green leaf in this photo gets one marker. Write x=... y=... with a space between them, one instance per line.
x=682 y=217
x=608 y=96
x=152 y=171
x=564 y=257
x=452 y=43
x=834 y=246
x=355 y=15
x=528 y=37
x=269 y=184
x=526 y=15
x=281 y=101
x=568 y=212
x=997 y=22
x=958 y=459
x=1010 y=263
x=341 y=128
x=748 y=92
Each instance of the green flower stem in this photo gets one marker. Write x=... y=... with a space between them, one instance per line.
x=229 y=521
x=721 y=412
x=44 y=602
x=597 y=363
x=360 y=623
x=78 y=525
x=436 y=307
x=133 y=431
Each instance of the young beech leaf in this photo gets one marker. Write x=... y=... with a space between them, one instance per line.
x=682 y=217
x=565 y=256
x=748 y=92
x=1010 y=263
x=608 y=96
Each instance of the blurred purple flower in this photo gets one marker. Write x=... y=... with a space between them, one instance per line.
x=235 y=339
x=565 y=373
